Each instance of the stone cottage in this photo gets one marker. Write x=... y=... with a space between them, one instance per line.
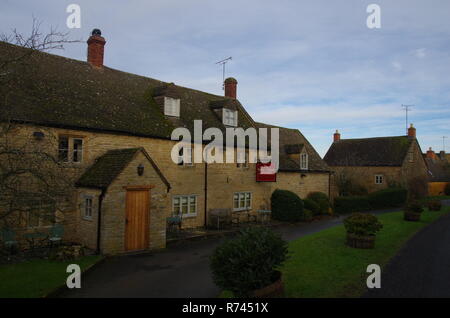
x=376 y=163
x=438 y=171
x=113 y=130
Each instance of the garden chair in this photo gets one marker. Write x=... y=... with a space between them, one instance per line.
x=174 y=221
x=55 y=234
x=9 y=239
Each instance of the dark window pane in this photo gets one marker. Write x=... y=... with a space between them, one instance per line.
x=77 y=150
x=63 y=149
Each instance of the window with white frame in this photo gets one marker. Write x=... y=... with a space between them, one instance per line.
x=88 y=207
x=411 y=156
x=230 y=117
x=171 y=106
x=304 y=161
x=379 y=179
x=184 y=205
x=242 y=201
x=189 y=160
x=70 y=149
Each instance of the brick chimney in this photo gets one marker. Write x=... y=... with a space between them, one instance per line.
x=412 y=132
x=431 y=154
x=336 y=136
x=442 y=154
x=230 y=85
x=96 y=47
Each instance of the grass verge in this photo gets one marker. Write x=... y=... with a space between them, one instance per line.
x=321 y=265
x=37 y=278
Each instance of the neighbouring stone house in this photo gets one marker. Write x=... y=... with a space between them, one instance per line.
x=438 y=171
x=376 y=163
x=113 y=130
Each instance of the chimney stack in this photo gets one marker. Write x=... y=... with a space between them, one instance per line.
x=96 y=47
x=442 y=154
x=230 y=87
x=336 y=136
x=412 y=132
x=431 y=154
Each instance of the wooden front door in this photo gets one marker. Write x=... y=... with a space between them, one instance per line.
x=137 y=219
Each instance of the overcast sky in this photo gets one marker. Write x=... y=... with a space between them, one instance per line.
x=311 y=64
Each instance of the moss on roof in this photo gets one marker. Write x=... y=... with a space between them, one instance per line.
x=57 y=91
x=379 y=151
x=293 y=141
x=106 y=168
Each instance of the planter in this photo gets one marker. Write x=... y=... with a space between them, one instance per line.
x=411 y=216
x=365 y=242
x=276 y=289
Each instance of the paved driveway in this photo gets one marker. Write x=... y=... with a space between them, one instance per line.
x=422 y=267
x=179 y=271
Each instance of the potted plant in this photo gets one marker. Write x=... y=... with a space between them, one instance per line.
x=434 y=205
x=413 y=211
x=247 y=265
x=361 y=230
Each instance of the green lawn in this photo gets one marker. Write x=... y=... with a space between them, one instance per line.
x=321 y=265
x=36 y=278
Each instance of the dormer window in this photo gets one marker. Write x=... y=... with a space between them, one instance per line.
x=304 y=161
x=230 y=117
x=171 y=107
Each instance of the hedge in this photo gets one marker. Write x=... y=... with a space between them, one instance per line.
x=286 y=206
x=388 y=198
x=344 y=205
x=312 y=206
x=322 y=200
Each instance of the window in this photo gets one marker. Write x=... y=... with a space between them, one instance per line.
x=379 y=179
x=70 y=149
x=229 y=117
x=242 y=201
x=42 y=214
x=77 y=150
x=88 y=207
x=189 y=155
x=185 y=205
x=411 y=156
x=304 y=161
x=63 y=149
x=246 y=160
x=171 y=107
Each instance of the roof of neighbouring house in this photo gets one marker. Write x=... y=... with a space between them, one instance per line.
x=107 y=167
x=292 y=141
x=379 y=151
x=438 y=169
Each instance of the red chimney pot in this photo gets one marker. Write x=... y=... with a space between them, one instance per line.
x=230 y=87
x=336 y=136
x=96 y=48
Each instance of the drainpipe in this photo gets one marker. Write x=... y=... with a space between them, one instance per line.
x=99 y=221
x=206 y=195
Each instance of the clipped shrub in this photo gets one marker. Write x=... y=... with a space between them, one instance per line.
x=434 y=205
x=248 y=262
x=307 y=215
x=344 y=205
x=387 y=198
x=322 y=200
x=286 y=206
x=312 y=206
x=447 y=189
x=362 y=224
x=414 y=207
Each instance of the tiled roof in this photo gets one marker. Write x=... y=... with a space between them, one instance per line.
x=438 y=170
x=380 y=151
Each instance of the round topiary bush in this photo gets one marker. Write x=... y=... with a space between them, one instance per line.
x=434 y=205
x=286 y=206
x=413 y=210
x=307 y=215
x=361 y=230
x=248 y=262
x=447 y=189
x=322 y=200
x=311 y=206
